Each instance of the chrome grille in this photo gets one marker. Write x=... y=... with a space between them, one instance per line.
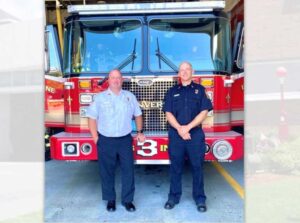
x=151 y=100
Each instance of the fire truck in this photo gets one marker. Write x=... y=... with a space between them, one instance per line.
x=54 y=88
x=146 y=42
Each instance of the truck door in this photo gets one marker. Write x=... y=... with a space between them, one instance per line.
x=237 y=106
x=54 y=104
x=54 y=86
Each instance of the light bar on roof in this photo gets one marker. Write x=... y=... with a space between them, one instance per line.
x=133 y=8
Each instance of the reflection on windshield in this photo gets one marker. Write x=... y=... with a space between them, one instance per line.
x=203 y=42
x=162 y=57
x=100 y=46
x=55 y=65
x=129 y=59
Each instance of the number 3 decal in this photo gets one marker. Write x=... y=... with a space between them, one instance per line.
x=148 y=148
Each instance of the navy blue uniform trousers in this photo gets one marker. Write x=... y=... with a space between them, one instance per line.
x=195 y=153
x=109 y=150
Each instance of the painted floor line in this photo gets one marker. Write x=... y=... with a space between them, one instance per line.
x=233 y=183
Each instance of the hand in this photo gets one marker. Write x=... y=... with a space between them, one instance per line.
x=140 y=137
x=95 y=139
x=183 y=129
x=187 y=136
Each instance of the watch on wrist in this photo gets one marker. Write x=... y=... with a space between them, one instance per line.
x=140 y=131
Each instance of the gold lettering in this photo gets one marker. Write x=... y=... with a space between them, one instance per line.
x=50 y=89
x=163 y=148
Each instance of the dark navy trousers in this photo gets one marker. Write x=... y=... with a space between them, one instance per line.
x=109 y=150
x=195 y=153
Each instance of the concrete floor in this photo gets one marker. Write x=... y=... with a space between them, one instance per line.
x=73 y=194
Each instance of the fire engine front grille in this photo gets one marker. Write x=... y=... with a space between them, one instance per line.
x=151 y=99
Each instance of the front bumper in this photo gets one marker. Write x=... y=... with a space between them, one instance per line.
x=80 y=146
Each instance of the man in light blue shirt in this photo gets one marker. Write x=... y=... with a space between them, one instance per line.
x=110 y=118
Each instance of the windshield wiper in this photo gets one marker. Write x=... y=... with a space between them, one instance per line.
x=163 y=57
x=128 y=59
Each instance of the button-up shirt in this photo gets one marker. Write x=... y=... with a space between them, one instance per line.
x=185 y=103
x=114 y=113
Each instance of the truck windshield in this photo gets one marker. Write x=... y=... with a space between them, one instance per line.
x=204 y=42
x=100 y=46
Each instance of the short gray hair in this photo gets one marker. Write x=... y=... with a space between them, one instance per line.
x=186 y=62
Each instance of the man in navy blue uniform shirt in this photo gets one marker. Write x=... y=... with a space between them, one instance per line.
x=186 y=106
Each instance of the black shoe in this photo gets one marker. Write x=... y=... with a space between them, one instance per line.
x=129 y=206
x=201 y=207
x=169 y=205
x=111 y=206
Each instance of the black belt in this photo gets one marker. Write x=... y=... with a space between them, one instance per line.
x=113 y=137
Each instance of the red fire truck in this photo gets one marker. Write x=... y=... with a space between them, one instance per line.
x=147 y=42
x=54 y=88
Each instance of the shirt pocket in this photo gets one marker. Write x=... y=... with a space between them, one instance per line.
x=107 y=108
x=177 y=105
x=194 y=103
x=126 y=106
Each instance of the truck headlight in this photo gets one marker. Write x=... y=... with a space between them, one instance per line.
x=70 y=149
x=222 y=150
x=86 y=148
x=207 y=148
x=86 y=98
